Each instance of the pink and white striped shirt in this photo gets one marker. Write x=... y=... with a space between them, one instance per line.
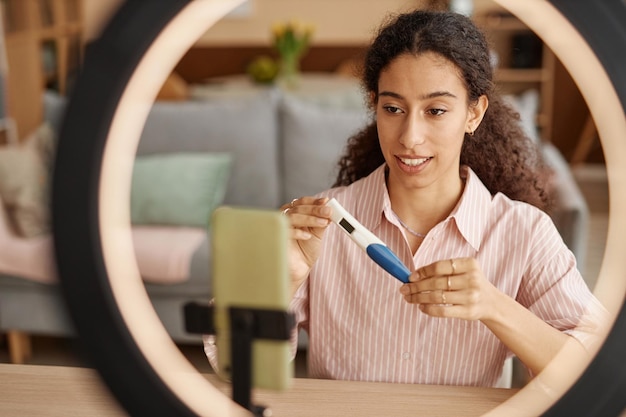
x=360 y=327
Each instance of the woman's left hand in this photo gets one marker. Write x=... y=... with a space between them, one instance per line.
x=452 y=288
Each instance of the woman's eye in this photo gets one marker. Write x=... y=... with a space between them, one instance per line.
x=436 y=112
x=392 y=109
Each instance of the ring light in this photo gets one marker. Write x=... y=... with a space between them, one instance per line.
x=122 y=73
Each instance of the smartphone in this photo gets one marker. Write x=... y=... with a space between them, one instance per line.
x=250 y=270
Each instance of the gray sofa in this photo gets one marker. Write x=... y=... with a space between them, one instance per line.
x=283 y=145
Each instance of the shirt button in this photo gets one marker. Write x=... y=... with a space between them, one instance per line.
x=406 y=355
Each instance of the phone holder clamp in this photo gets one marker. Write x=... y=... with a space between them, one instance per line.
x=246 y=325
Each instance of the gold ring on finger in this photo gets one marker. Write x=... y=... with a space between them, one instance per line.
x=443 y=297
x=449 y=284
x=286 y=210
x=453 y=266
x=291 y=205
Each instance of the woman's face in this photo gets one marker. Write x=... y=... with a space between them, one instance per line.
x=422 y=115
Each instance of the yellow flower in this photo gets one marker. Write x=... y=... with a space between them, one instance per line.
x=292 y=38
x=278 y=29
x=309 y=29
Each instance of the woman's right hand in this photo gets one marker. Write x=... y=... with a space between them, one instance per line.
x=309 y=217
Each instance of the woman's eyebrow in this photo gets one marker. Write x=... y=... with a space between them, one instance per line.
x=438 y=94
x=390 y=94
x=434 y=94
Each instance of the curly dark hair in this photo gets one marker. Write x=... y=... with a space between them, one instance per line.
x=499 y=152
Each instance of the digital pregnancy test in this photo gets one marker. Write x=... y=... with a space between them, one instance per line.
x=369 y=242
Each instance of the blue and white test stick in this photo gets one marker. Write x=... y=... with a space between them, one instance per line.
x=369 y=242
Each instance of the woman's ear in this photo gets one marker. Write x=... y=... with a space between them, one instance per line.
x=476 y=113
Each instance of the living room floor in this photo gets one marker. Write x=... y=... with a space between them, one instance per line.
x=591 y=179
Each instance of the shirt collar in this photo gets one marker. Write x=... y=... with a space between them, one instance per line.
x=470 y=214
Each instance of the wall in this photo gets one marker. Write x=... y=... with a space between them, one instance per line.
x=343 y=28
x=337 y=22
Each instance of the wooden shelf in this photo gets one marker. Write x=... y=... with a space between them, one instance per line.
x=503 y=23
x=43 y=41
x=510 y=38
x=515 y=75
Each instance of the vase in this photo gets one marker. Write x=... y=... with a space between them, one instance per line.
x=465 y=7
x=289 y=70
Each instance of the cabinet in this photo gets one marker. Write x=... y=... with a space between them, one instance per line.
x=43 y=49
x=523 y=62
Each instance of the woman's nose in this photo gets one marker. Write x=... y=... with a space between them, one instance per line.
x=413 y=133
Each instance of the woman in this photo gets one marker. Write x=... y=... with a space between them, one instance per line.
x=444 y=176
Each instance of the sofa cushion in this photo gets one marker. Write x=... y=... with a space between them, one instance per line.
x=30 y=258
x=246 y=127
x=164 y=253
x=570 y=212
x=179 y=189
x=314 y=136
x=24 y=182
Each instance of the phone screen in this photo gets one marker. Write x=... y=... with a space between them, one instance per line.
x=250 y=270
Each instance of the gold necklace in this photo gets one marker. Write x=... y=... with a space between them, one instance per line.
x=408 y=229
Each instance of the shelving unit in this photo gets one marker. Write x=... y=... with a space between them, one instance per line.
x=523 y=62
x=43 y=47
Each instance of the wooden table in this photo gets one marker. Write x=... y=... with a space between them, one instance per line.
x=58 y=391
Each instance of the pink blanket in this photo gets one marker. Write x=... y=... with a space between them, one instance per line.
x=163 y=253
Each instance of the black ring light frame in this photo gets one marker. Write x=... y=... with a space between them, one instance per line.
x=127 y=350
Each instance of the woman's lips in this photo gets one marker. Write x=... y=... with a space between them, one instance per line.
x=413 y=162
x=413 y=165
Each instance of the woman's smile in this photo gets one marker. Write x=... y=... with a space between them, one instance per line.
x=413 y=164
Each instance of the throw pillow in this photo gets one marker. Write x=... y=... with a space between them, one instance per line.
x=245 y=127
x=24 y=182
x=314 y=137
x=178 y=189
